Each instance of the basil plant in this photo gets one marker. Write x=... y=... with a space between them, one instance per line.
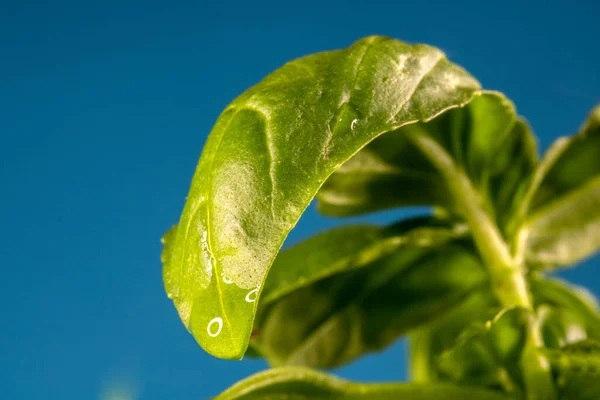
x=377 y=125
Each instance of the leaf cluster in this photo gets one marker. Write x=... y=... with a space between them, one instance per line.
x=377 y=125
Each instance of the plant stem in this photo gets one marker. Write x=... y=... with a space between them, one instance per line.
x=507 y=274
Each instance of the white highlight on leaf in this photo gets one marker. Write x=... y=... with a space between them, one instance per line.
x=227 y=280
x=209 y=329
x=353 y=124
x=402 y=61
x=452 y=80
x=250 y=293
x=575 y=333
x=345 y=98
x=207 y=252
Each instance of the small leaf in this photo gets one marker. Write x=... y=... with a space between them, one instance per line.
x=563 y=201
x=560 y=327
x=358 y=310
x=429 y=342
x=567 y=313
x=267 y=156
x=488 y=355
x=577 y=370
x=305 y=384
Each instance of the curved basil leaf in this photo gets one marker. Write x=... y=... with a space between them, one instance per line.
x=304 y=384
x=567 y=312
x=363 y=310
x=488 y=355
x=486 y=138
x=563 y=201
x=577 y=370
x=267 y=156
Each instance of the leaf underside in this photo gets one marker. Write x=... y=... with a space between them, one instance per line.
x=361 y=298
x=563 y=203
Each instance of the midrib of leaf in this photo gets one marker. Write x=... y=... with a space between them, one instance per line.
x=209 y=202
x=269 y=146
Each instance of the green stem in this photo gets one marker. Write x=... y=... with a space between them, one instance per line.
x=507 y=273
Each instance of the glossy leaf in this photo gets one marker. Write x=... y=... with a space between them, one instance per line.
x=577 y=370
x=267 y=156
x=485 y=138
x=360 y=310
x=488 y=355
x=563 y=202
x=295 y=383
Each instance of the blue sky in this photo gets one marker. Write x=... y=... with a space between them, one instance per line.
x=104 y=109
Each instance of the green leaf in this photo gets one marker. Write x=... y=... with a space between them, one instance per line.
x=567 y=313
x=577 y=370
x=356 y=310
x=167 y=241
x=296 y=383
x=489 y=354
x=267 y=156
x=563 y=201
x=429 y=342
x=485 y=138
x=347 y=248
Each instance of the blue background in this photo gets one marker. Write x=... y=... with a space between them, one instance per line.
x=104 y=109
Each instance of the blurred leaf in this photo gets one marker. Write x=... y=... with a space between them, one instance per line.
x=489 y=355
x=567 y=313
x=577 y=370
x=560 y=327
x=295 y=383
x=563 y=201
x=349 y=247
x=267 y=156
x=511 y=169
x=429 y=342
x=485 y=138
x=358 y=310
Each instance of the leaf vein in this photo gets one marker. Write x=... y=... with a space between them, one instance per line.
x=428 y=71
